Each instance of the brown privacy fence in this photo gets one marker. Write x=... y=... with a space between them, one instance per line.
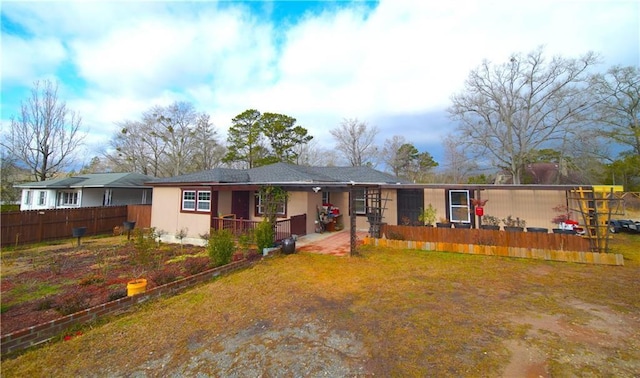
x=534 y=240
x=540 y=246
x=32 y=226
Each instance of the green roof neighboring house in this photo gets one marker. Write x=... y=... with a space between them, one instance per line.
x=86 y=190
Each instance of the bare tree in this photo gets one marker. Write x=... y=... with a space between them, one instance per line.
x=169 y=140
x=207 y=151
x=390 y=153
x=507 y=111
x=355 y=139
x=457 y=166
x=617 y=96
x=177 y=122
x=137 y=147
x=45 y=136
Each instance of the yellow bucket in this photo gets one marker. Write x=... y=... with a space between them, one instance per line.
x=136 y=286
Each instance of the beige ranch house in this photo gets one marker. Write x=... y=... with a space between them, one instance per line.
x=195 y=203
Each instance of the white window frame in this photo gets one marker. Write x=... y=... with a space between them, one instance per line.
x=326 y=197
x=192 y=200
x=460 y=210
x=28 y=197
x=204 y=200
x=360 y=201
x=281 y=210
x=108 y=197
x=68 y=198
x=42 y=198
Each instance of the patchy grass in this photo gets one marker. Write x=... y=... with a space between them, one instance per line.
x=416 y=313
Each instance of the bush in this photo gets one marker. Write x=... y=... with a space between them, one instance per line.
x=264 y=234
x=195 y=265
x=221 y=247
x=74 y=301
x=117 y=294
x=45 y=304
x=164 y=276
x=91 y=279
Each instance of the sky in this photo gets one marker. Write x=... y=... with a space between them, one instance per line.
x=393 y=64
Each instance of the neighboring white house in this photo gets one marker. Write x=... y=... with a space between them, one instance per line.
x=94 y=189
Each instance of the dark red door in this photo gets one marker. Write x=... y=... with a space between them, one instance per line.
x=240 y=204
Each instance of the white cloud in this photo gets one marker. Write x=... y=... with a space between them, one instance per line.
x=18 y=63
x=401 y=59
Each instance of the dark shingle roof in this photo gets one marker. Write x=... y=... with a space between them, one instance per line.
x=285 y=173
x=219 y=175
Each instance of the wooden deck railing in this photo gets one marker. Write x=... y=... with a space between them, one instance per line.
x=284 y=228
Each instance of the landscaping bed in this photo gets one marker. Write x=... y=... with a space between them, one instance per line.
x=43 y=283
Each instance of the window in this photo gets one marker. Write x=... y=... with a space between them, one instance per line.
x=281 y=207
x=204 y=201
x=196 y=200
x=68 y=198
x=360 y=201
x=325 y=197
x=42 y=199
x=107 y=197
x=27 y=197
x=459 y=206
x=189 y=200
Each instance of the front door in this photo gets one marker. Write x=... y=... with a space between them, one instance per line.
x=240 y=204
x=410 y=201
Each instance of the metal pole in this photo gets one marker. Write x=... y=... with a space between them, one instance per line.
x=352 y=208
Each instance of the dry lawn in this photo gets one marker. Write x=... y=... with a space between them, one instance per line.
x=387 y=313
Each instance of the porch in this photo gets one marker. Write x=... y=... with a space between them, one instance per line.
x=285 y=228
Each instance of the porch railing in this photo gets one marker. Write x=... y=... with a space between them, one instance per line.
x=242 y=226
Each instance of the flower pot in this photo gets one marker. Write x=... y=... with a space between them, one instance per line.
x=136 y=286
x=541 y=230
x=514 y=229
x=443 y=225
x=490 y=227
x=288 y=246
x=563 y=231
x=462 y=225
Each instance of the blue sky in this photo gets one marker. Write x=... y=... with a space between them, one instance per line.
x=393 y=64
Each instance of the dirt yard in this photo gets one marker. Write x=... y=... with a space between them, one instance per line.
x=42 y=283
x=386 y=313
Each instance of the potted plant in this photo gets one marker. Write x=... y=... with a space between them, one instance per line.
x=490 y=222
x=137 y=285
x=443 y=223
x=427 y=216
x=511 y=224
x=566 y=225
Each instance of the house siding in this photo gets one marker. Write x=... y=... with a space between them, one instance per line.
x=167 y=218
x=535 y=206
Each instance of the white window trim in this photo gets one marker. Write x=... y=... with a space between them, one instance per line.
x=282 y=207
x=42 y=198
x=204 y=201
x=28 y=197
x=196 y=201
x=453 y=207
x=362 y=199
